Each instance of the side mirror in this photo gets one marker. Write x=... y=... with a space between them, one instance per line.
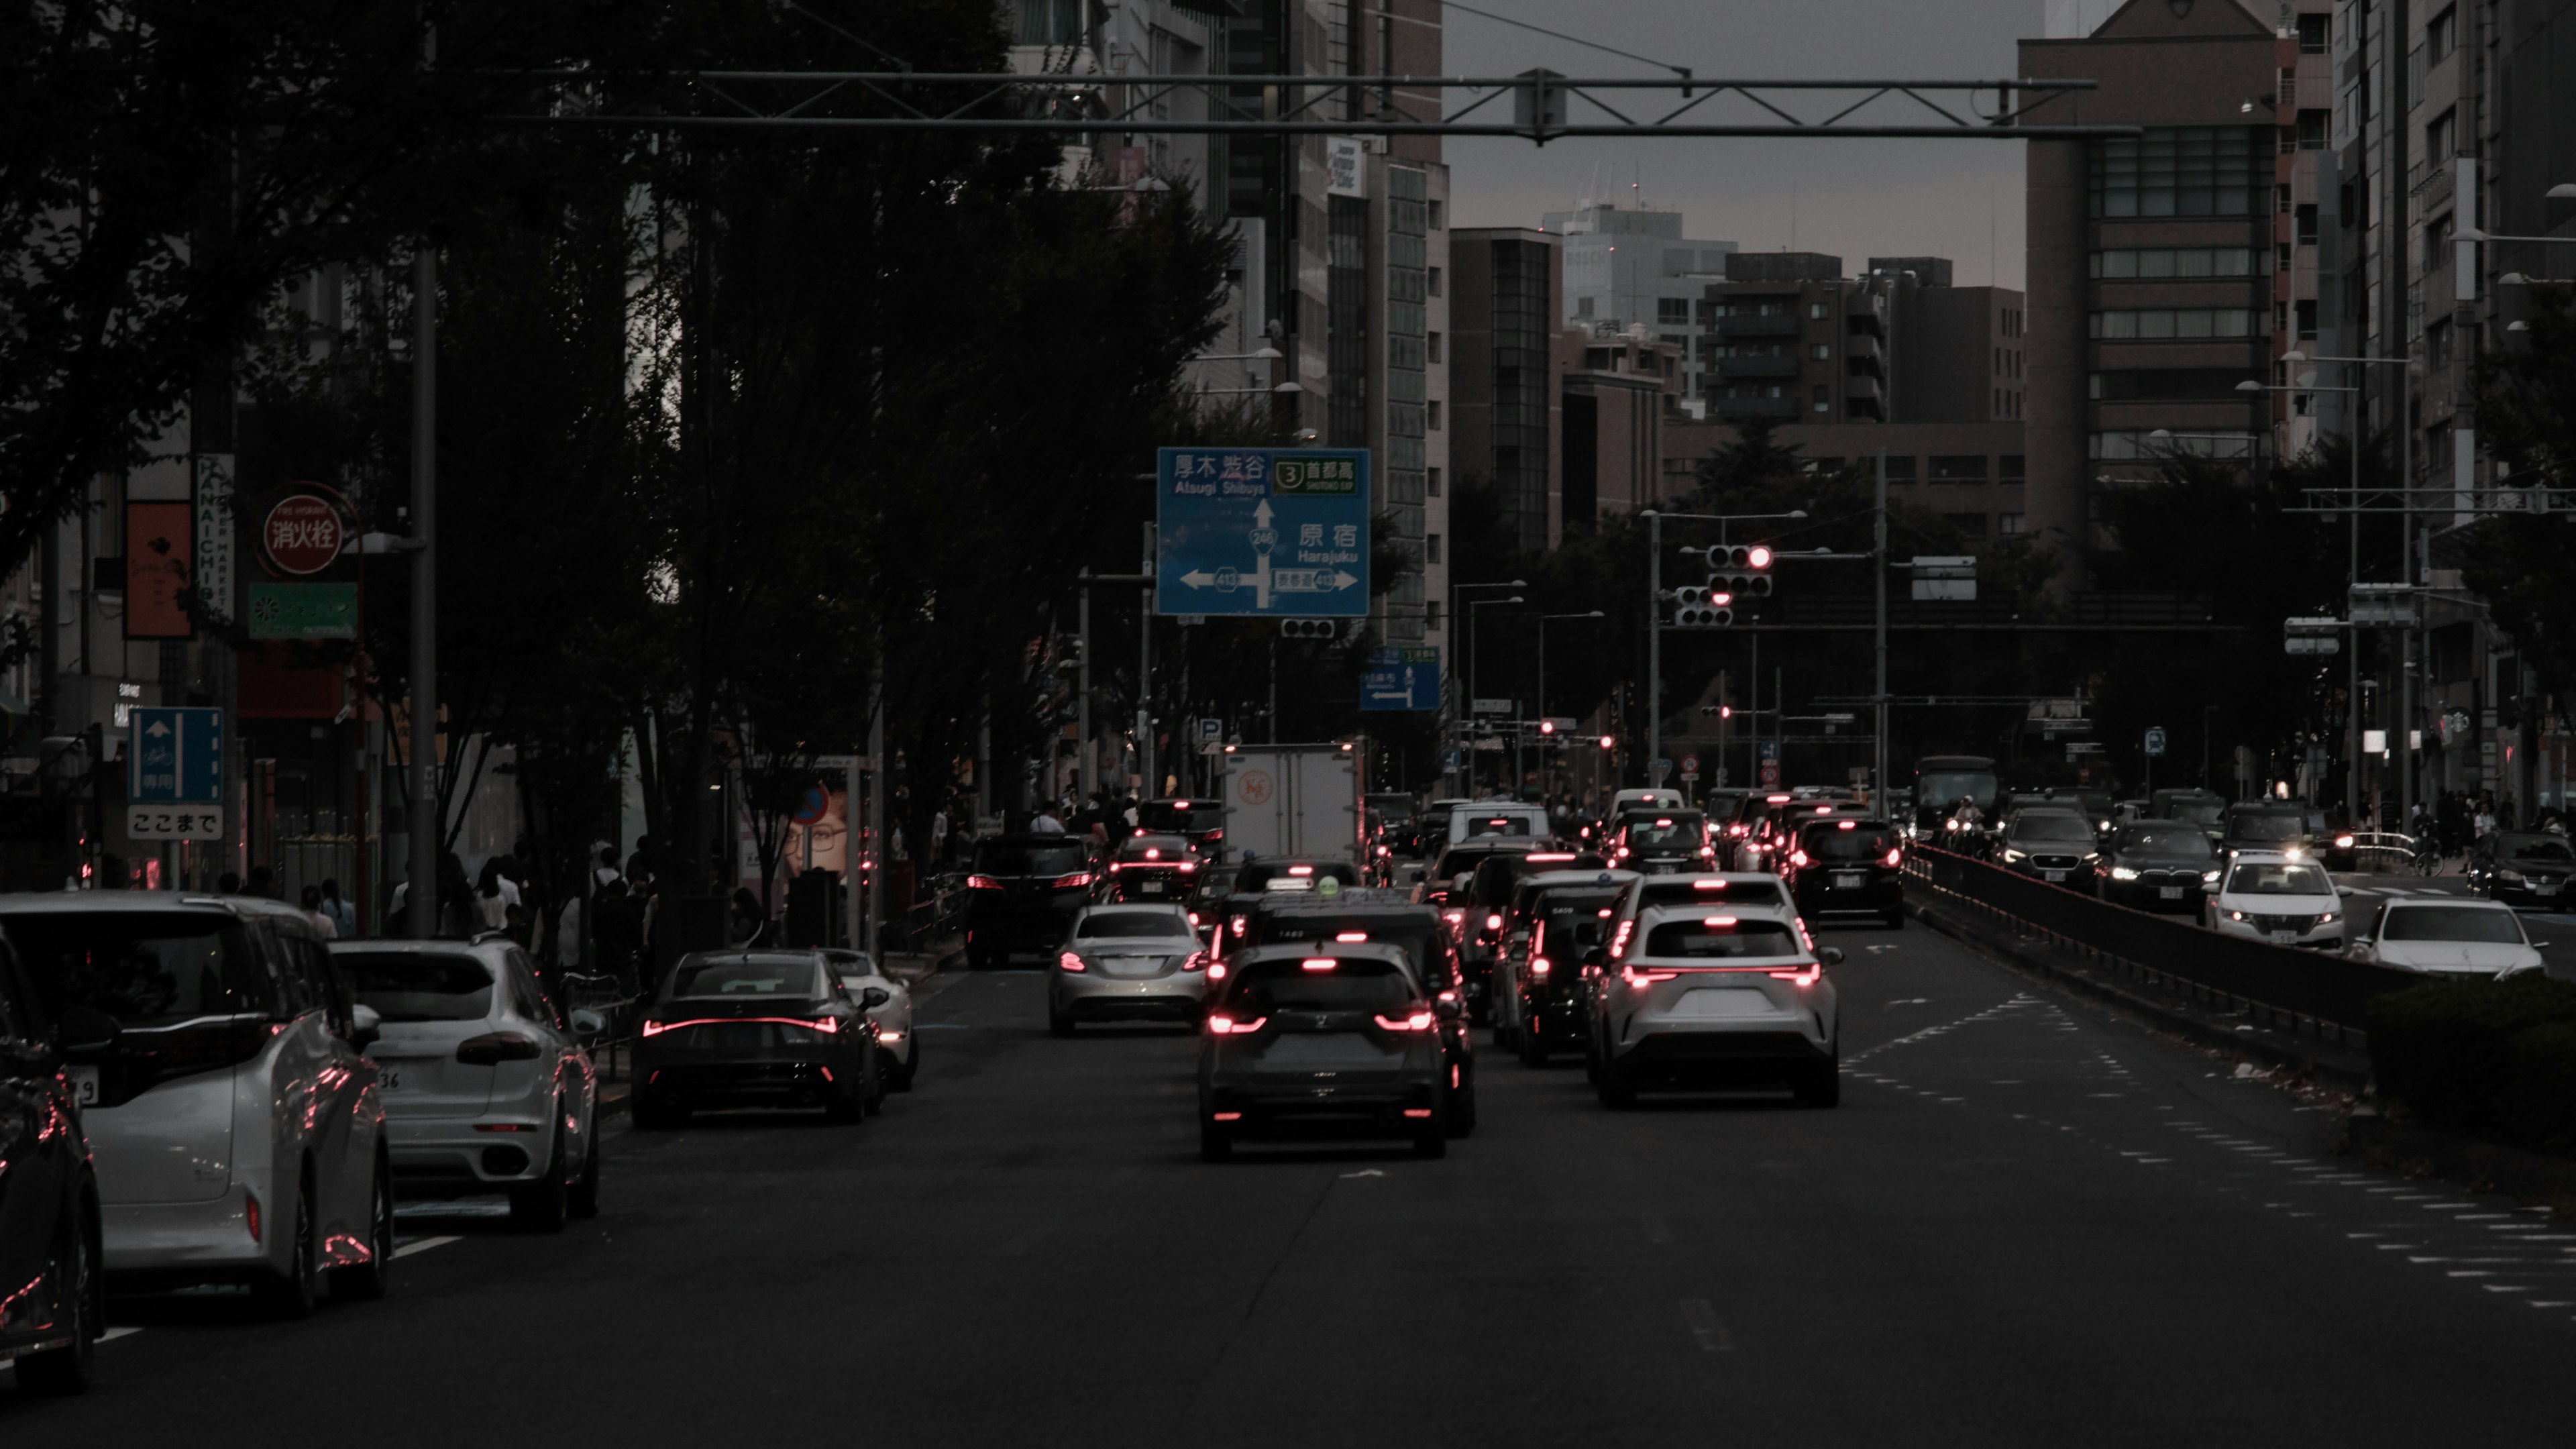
x=1447 y=1009
x=1831 y=955
x=2540 y=945
x=86 y=1029
x=874 y=997
x=586 y=1022
x=365 y=1025
x=2344 y=891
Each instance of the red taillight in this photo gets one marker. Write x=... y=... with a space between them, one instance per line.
x=1721 y=922
x=1708 y=885
x=1453 y=917
x=1538 y=966
x=1797 y=857
x=1635 y=977
x=250 y=1213
x=1622 y=854
x=1418 y=1021
x=1708 y=852
x=1151 y=853
x=1301 y=870
x=1225 y=1116
x=1197 y=961
x=503 y=1127
x=827 y=1025
x=1216 y=971
x=1350 y=935
x=1189 y=867
x=1619 y=942
x=1228 y=1026
x=1213 y=835
x=1194 y=918
x=1235 y=925
x=982 y=883
x=826 y=1071
x=1848 y=825
x=1319 y=963
x=1896 y=857
x=1068 y=961
x=1075 y=881
x=1493 y=923
x=1417 y=1111
x=654 y=1028
x=1808 y=976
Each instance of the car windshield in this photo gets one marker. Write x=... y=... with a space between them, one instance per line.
x=753 y=976
x=2453 y=923
x=1154 y=847
x=2267 y=825
x=2536 y=847
x=1649 y=832
x=1348 y=985
x=2175 y=839
x=2052 y=825
x=2197 y=812
x=2279 y=878
x=1832 y=842
x=145 y=968
x=1946 y=786
x=1002 y=857
x=419 y=985
x=1720 y=936
x=1128 y=925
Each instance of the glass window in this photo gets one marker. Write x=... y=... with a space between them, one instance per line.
x=1128 y=925
x=1353 y=984
x=2181 y=171
x=146 y=969
x=2279 y=878
x=2441 y=35
x=1721 y=937
x=738 y=976
x=1023 y=858
x=2452 y=923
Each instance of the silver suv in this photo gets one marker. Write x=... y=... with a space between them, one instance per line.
x=485 y=1083
x=1716 y=996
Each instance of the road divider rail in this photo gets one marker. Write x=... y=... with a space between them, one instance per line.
x=2286 y=987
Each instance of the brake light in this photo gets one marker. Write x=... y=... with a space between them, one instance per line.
x=982 y=883
x=1228 y=1026
x=1493 y=923
x=1824 y=810
x=1216 y=971
x=1350 y=936
x=1896 y=857
x=1417 y=1111
x=1663 y=825
x=1235 y=925
x=1196 y=961
x=1069 y=961
x=1708 y=852
x=1301 y=870
x=1848 y=825
x=1319 y=963
x=1807 y=976
x=1619 y=942
x=504 y=1127
x=1605 y=913
x=1194 y=918
x=1622 y=855
x=653 y=1028
x=1723 y=923
x=1454 y=917
x=1708 y=885
x=1776 y=799
x=1736 y=831
x=250 y=1202
x=1225 y=1116
x=1539 y=855
x=1635 y=977
x=1075 y=881
x=827 y=1025
x=1416 y=1021
x=1538 y=966
x=1152 y=853
x=1214 y=835
x=1797 y=857
x=1189 y=867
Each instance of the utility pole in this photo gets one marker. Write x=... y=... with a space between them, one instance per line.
x=1082 y=698
x=1145 y=680
x=421 y=900
x=1878 y=569
x=1654 y=639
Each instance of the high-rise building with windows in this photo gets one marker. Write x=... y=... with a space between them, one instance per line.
x=1626 y=266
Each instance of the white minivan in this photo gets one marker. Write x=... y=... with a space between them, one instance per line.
x=232 y=1111
x=1511 y=819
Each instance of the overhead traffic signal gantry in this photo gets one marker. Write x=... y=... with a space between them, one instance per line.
x=1736 y=573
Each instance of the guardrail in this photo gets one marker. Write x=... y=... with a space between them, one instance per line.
x=612 y=1046
x=2287 y=986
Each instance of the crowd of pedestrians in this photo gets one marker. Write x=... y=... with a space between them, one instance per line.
x=2458 y=819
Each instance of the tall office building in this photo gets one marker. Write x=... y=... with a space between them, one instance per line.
x=1788 y=337
x=1631 y=265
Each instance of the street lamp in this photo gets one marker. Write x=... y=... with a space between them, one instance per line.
x=1472 y=606
x=1655 y=608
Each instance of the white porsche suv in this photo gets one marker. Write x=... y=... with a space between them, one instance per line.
x=232 y=1111
x=1716 y=996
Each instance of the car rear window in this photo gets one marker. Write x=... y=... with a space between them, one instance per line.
x=418 y=985
x=1683 y=891
x=1003 y=858
x=2452 y=923
x=1720 y=936
x=1258 y=876
x=1154 y=847
x=1649 y=832
x=2537 y=847
x=737 y=976
x=1351 y=985
x=145 y=968
x=1832 y=842
x=1128 y=925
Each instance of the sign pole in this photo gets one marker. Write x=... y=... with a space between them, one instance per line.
x=422 y=899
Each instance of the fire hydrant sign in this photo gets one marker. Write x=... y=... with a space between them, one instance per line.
x=1262 y=532
x=301 y=535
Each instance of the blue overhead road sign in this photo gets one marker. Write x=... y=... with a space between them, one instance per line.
x=175 y=756
x=1406 y=678
x=1262 y=532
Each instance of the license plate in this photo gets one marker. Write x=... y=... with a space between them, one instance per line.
x=2055 y=874
x=388 y=1079
x=2285 y=938
x=1851 y=880
x=84 y=1082
x=2169 y=893
x=1149 y=888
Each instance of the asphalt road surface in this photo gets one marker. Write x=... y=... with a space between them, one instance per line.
x=2027 y=1225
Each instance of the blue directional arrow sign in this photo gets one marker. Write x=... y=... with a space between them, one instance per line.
x=175 y=756
x=1262 y=532
x=1406 y=678
x=2155 y=741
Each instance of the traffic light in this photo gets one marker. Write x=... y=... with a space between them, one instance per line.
x=1609 y=742
x=1546 y=727
x=1743 y=570
x=1718 y=711
x=1310 y=628
x=1702 y=608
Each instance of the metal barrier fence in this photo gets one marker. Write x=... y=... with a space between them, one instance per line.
x=2288 y=986
x=611 y=1047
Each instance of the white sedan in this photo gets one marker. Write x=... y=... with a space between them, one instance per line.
x=895 y=1036
x=2474 y=940
x=2277 y=896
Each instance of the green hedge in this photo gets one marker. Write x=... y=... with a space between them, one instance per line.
x=2493 y=1058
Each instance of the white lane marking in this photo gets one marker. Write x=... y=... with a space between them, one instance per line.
x=1364 y=1172
x=425 y=1244
x=1704 y=1326
x=116 y=1333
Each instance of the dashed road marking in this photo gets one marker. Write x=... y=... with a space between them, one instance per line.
x=425 y=1244
x=1705 y=1327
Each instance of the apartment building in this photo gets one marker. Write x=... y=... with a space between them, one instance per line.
x=1790 y=338
x=1632 y=265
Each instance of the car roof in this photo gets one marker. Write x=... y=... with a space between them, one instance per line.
x=1548 y=880
x=103 y=902
x=1770 y=910
x=2395 y=902
x=1299 y=950
x=490 y=941
x=1133 y=908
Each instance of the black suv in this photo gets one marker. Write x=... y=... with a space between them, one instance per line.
x=2054 y=844
x=2158 y=865
x=2522 y=870
x=1661 y=842
x=1566 y=938
x=49 y=1224
x=1384 y=918
x=1021 y=893
x=2255 y=826
x=1847 y=867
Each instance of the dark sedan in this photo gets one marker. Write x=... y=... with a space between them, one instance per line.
x=1151 y=868
x=2289 y=828
x=2057 y=846
x=1847 y=868
x=49 y=1223
x=2522 y=870
x=756 y=1029
x=1663 y=843
x=2158 y=865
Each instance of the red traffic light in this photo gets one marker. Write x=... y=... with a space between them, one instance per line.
x=1726 y=711
x=1719 y=598
x=1609 y=742
x=1758 y=556
x=1547 y=727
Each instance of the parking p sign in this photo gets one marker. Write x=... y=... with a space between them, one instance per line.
x=2155 y=742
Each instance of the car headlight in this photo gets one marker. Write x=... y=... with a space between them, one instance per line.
x=2122 y=872
x=2510 y=877
x=2328 y=918
x=2236 y=915
x=2209 y=877
x=1949 y=824
x=2012 y=854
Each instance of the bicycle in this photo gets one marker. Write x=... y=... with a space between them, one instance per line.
x=2426 y=858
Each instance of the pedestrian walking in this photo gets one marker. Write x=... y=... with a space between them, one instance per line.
x=606 y=870
x=1045 y=823
x=494 y=896
x=319 y=919
x=939 y=836
x=344 y=916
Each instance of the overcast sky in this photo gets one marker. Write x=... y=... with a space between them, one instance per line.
x=1855 y=199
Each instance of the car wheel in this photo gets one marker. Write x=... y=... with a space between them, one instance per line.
x=1431 y=1142
x=292 y=1294
x=371 y=1279
x=1821 y=1086
x=1618 y=1091
x=873 y=1097
x=540 y=1206
x=1215 y=1143
x=1058 y=1024
x=584 y=1201
x=911 y=1067
x=1533 y=1045
x=80 y=1287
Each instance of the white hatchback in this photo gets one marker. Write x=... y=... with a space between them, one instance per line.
x=859 y=971
x=2283 y=897
x=486 y=1086
x=235 y=1118
x=2466 y=939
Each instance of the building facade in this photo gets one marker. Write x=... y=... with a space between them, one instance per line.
x=1790 y=338
x=1630 y=266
